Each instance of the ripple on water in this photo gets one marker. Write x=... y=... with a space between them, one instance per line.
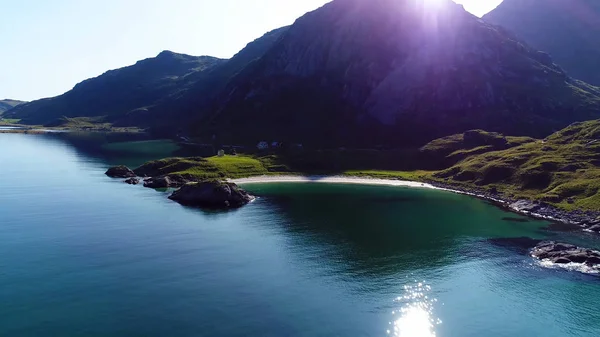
x=415 y=318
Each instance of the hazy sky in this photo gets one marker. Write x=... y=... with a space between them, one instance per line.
x=46 y=47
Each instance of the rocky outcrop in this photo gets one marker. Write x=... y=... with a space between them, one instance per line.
x=120 y=172
x=562 y=253
x=166 y=181
x=213 y=194
x=132 y=181
x=526 y=206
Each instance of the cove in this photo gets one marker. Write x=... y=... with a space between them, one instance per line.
x=85 y=255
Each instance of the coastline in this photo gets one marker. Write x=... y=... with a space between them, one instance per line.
x=28 y=129
x=583 y=220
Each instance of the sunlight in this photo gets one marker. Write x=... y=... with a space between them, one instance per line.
x=415 y=322
x=476 y=7
x=416 y=315
x=434 y=4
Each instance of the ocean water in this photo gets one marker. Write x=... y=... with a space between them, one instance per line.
x=85 y=255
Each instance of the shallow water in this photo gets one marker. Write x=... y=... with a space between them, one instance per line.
x=85 y=255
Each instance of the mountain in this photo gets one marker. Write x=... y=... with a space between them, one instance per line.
x=7 y=104
x=361 y=73
x=118 y=92
x=568 y=30
x=157 y=92
x=195 y=100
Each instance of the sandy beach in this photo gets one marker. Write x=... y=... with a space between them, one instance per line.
x=331 y=180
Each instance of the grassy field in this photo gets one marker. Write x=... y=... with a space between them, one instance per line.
x=206 y=168
x=9 y=121
x=243 y=166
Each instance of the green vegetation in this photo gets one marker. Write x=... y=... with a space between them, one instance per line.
x=88 y=124
x=71 y=124
x=394 y=175
x=562 y=170
x=206 y=168
x=9 y=121
x=243 y=166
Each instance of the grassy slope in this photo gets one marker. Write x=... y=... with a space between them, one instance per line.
x=563 y=169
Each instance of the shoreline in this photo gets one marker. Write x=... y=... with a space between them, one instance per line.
x=587 y=221
x=27 y=129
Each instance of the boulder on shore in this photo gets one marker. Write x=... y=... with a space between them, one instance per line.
x=120 y=172
x=132 y=181
x=212 y=194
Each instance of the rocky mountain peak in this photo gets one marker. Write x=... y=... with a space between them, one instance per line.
x=401 y=66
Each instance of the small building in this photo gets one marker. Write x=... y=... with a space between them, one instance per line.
x=262 y=146
x=221 y=153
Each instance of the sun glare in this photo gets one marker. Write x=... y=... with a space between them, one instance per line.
x=476 y=7
x=416 y=318
x=434 y=4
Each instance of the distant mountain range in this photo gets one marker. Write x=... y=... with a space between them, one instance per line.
x=352 y=73
x=569 y=30
x=152 y=93
x=7 y=104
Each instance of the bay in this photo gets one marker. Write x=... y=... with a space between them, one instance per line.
x=85 y=255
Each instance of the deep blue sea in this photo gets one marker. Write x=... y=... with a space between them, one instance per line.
x=85 y=255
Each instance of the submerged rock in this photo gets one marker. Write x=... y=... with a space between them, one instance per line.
x=120 y=172
x=132 y=181
x=213 y=194
x=563 y=253
x=511 y=219
x=520 y=244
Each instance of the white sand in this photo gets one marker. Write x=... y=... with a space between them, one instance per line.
x=330 y=180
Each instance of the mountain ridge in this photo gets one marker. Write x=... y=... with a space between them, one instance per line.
x=352 y=73
x=568 y=30
x=7 y=104
x=155 y=92
x=383 y=68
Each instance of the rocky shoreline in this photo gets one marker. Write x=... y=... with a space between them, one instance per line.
x=579 y=219
x=573 y=220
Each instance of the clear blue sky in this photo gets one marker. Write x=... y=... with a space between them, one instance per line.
x=49 y=46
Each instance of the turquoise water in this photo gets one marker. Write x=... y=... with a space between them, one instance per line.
x=85 y=255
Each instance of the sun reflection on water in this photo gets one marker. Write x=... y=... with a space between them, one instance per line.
x=416 y=317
